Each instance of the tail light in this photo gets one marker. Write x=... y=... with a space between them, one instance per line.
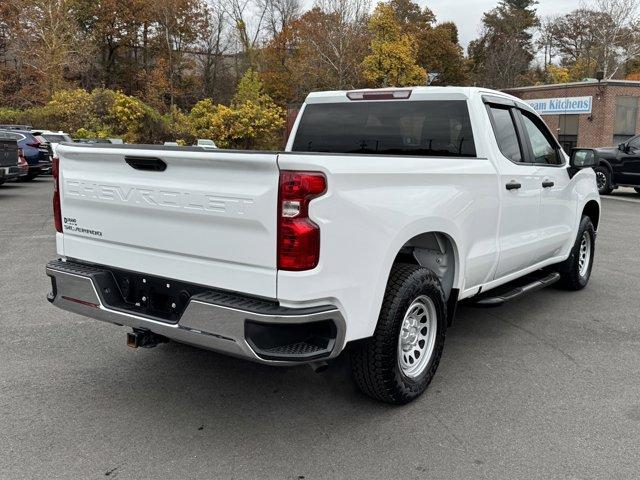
x=298 y=236
x=57 y=214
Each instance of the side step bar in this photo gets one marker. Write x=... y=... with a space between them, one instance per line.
x=505 y=296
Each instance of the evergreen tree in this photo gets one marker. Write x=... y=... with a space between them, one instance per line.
x=502 y=55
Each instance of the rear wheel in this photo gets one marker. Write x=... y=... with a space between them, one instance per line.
x=603 y=180
x=397 y=364
x=575 y=271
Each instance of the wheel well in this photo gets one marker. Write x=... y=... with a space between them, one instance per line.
x=605 y=164
x=592 y=210
x=435 y=251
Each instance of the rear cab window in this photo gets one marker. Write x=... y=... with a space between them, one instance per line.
x=432 y=128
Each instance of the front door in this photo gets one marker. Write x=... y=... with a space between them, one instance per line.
x=627 y=171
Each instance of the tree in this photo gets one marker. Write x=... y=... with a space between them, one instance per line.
x=178 y=24
x=280 y=13
x=335 y=36
x=572 y=39
x=323 y=49
x=393 y=57
x=438 y=48
x=557 y=74
x=213 y=42
x=248 y=17
x=504 y=51
x=48 y=42
x=252 y=121
x=619 y=37
x=439 y=51
x=120 y=32
x=587 y=40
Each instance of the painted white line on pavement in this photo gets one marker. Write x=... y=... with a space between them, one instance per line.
x=621 y=199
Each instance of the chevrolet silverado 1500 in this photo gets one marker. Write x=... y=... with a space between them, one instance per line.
x=386 y=208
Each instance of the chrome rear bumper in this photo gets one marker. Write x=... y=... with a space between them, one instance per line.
x=214 y=320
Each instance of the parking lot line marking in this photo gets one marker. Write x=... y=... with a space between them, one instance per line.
x=621 y=199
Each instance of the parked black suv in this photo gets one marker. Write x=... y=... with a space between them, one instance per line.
x=619 y=167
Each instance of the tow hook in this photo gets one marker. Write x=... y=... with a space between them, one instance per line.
x=144 y=338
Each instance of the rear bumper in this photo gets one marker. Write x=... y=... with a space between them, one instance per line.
x=9 y=173
x=253 y=329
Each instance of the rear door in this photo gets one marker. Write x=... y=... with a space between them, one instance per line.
x=520 y=187
x=204 y=217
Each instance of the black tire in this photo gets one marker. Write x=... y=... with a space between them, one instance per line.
x=603 y=180
x=570 y=270
x=375 y=362
x=29 y=177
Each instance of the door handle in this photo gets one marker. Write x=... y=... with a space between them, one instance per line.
x=148 y=164
x=547 y=184
x=513 y=185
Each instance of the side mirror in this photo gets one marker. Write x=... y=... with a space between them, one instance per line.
x=583 y=158
x=622 y=147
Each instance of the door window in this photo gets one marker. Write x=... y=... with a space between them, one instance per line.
x=544 y=150
x=506 y=135
x=634 y=143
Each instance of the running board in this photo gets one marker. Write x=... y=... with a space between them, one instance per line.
x=495 y=299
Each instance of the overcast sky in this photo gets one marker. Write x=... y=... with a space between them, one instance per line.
x=467 y=14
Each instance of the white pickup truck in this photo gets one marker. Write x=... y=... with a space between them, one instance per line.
x=386 y=209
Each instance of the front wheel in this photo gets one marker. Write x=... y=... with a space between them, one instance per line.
x=397 y=364
x=575 y=271
x=603 y=180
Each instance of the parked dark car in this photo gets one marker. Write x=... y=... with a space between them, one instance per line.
x=36 y=154
x=619 y=167
x=9 y=168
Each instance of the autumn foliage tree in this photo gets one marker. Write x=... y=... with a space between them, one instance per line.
x=323 y=49
x=393 y=57
x=252 y=120
x=438 y=48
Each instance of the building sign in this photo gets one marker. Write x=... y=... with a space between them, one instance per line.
x=562 y=105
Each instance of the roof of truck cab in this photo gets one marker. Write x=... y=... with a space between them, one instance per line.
x=417 y=93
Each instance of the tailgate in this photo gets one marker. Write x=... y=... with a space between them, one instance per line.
x=8 y=153
x=204 y=217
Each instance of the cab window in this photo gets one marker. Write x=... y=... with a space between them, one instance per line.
x=634 y=143
x=543 y=148
x=506 y=134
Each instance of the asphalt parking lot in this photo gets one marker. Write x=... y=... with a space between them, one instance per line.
x=544 y=387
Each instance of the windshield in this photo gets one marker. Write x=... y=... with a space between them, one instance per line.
x=424 y=128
